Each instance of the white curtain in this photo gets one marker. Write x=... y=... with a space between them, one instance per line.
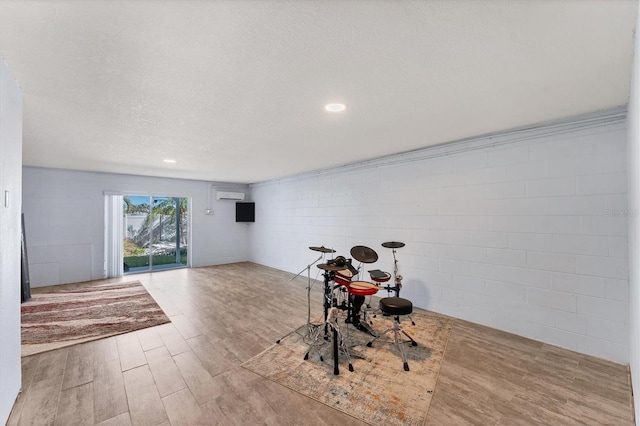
x=114 y=233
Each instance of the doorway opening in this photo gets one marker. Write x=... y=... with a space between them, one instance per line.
x=156 y=231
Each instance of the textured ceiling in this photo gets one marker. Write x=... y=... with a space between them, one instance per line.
x=234 y=90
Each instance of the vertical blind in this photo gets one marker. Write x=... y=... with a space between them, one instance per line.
x=113 y=236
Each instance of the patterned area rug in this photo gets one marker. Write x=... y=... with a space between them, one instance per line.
x=378 y=391
x=67 y=317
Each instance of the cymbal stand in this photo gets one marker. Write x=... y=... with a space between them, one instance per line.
x=308 y=269
x=398 y=280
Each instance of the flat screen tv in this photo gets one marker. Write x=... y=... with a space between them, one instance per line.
x=245 y=212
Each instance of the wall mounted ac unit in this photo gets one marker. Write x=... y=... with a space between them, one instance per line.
x=228 y=195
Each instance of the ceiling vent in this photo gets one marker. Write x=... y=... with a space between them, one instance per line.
x=228 y=195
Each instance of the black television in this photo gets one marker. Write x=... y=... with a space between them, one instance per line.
x=245 y=212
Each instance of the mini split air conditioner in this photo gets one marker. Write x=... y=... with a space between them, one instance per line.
x=228 y=195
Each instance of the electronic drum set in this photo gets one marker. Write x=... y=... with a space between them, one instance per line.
x=343 y=291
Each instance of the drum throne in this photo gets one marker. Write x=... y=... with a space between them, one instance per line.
x=396 y=307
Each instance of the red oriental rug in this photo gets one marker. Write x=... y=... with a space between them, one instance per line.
x=67 y=317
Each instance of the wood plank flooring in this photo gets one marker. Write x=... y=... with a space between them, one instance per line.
x=188 y=372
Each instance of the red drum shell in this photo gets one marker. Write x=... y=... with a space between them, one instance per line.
x=343 y=277
x=362 y=288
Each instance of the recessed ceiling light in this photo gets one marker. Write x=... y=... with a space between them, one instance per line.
x=168 y=160
x=335 y=107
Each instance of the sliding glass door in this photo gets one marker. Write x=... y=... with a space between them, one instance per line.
x=155 y=233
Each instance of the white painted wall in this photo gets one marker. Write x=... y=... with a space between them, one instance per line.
x=633 y=125
x=11 y=181
x=528 y=237
x=64 y=220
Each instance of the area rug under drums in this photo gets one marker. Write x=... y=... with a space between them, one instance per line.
x=66 y=317
x=378 y=391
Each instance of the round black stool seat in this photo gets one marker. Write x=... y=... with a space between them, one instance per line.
x=395 y=306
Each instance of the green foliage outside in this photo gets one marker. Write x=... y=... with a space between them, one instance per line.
x=160 y=221
x=137 y=261
x=158 y=227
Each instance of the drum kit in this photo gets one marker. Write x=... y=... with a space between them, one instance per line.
x=342 y=292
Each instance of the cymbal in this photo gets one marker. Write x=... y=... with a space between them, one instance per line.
x=364 y=254
x=327 y=267
x=322 y=249
x=393 y=244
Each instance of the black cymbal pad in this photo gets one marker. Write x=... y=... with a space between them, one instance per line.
x=323 y=249
x=393 y=244
x=364 y=254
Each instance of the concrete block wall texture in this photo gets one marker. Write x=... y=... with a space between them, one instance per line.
x=524 y=231
x=64 y=219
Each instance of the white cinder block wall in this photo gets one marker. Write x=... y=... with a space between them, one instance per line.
x=524 y=232
x=634 y=220
x=64 y=221
x=10 y=181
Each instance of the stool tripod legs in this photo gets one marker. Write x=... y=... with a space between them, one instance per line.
x=397 y=329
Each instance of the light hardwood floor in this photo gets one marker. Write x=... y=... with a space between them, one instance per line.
x=188 y=372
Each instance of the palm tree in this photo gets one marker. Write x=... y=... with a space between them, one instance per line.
x=165 y=222
x=128 y=205
x=167 y=207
